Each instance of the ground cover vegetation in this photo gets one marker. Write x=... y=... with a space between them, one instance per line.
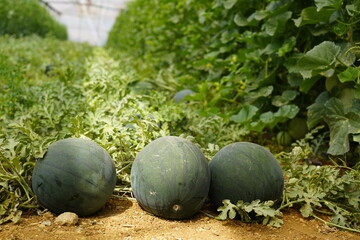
x=254 y=67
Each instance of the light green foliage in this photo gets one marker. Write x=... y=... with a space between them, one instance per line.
x=264 y=211
x=25 y=17
x=36 y=110
x=322 y=189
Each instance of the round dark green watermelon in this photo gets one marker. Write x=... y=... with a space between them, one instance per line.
x=170 y=178
x=245 y=171
x=75 y=175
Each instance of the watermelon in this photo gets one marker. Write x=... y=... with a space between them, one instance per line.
x=283 y=138
x=347 y=95
x=298 y=128
x=180 y=96
x=245 y=171
x=170 y=178
x=75 y=175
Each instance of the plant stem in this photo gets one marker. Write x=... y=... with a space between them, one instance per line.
x=336 y=225
x=289 y=204
x=210 y=216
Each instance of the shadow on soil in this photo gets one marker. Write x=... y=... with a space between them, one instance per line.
x=113 y=207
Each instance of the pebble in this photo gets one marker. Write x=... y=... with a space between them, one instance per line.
x=67 y=219
x=46 y=223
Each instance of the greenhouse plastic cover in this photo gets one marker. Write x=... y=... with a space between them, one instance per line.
x=86 y=20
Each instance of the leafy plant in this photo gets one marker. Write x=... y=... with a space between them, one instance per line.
x=264 y=211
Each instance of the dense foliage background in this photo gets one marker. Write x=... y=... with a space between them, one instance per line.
x=260 y=70
x=26 y=17
x=256 y=63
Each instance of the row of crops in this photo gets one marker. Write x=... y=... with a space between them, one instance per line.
x=283 y=74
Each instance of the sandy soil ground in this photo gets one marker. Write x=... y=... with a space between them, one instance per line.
x=124 y=219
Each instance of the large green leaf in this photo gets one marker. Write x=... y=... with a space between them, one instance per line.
x=328 y=3
x=349 y=75
x=354 y=8
x=228 y=4
x=316 y=110
x=262 y=92
x=287 y=112
x=284 y=98
x=307 y=83
x=342 y=122
x=246 y=114
x=240 y=20
x=311 y=15
x=276 y=23
x=270 y=119
x=319 y=58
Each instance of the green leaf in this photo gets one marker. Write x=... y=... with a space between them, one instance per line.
x=261 y=208
x=354 y=196
x=227 y=210
x=227 y=36
x=341 y=124
x=289 y=95
x=267 y=117
x=320 y=58
x=316 y=110
x=257 y=126
x=346 y=57
x=211 y=55
x=287 y=112
x=341 y=29
x=340 y=214
x=353 y=9
x=336 y=4
x=284 y=98
x=240 y=20
x=262 y=92
x=270 y=119
x=245 y=114
x=349 y=75
x=277 y=23
x=357 y=91
x=356 y=138
x=228 y=4
x=339 y=219
x=306 y=210
x=308 y=83
x=287 y=46
x=311 y=15
x=274 y=222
